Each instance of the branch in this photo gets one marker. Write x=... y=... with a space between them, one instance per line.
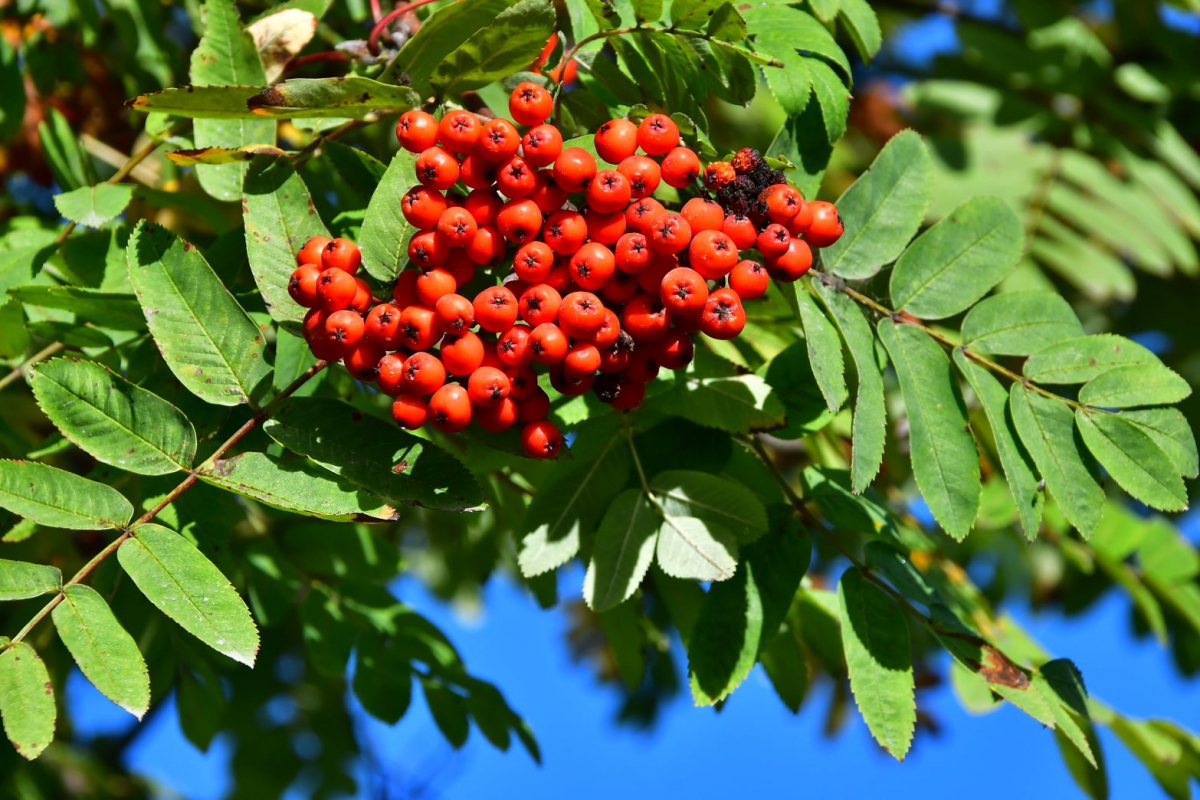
x=187 y=483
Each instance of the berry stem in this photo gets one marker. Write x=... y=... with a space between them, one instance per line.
x=983 y=361
x=187 y=483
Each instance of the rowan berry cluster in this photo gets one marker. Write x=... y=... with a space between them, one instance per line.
x=607 y=286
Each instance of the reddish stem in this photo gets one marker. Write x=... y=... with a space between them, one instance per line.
x=373 y=39
x=314 y=58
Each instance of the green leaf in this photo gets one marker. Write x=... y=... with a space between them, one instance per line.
x=792 y=83
x=726 y=23
x=869 y=431
x=1019 y=470
x=824 y=10
x=1133 y=459
x=801 y=29
x=802 y=141
x=692 y=14
x=739 y=404
x=824 y=348
x=711 y=499
x=449 y=712
x=1020 y=323
x=110 y=310
x=564 y=509
x=1080 y=360
x=779 y=561
x=645 y=10
x=294 y=484
x=882 y=209
x=833 y=97
x=56 y=498
x=69 y=164
x=280 y=219
x=875 y=641
x=93 y=206
x=622 y=627
x=725 y=639
x=382 y=678
x=328 y=637
x=945 y=461
x=351 y=97
x=1165 y=556
x=26 y=700
x=199 y=102
x=1047 y=430
x=115 y=421
x=385 y=231
x=374 y=455
x=207 y=339
x=860 y=22
x=20 y=580
x=957 y=261
x=831 y=490
x=227 y=56
x=622 y=552
x=14 y=333
x=189 y=589
x=201 y=702
x=1170 y=431
x=1139 y=385
x=496 y=51
x=695 y=549
x=784 y=663
x=443 y=32
x=104 y=651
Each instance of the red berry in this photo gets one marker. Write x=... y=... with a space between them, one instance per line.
x=416 y=131
x=650 y=279
x=718 y=175
x=548 y=343
x=539 y=303
x=499 y=140
x=658 y=134
x=530 y=104
x=800 y=223
x=582 y=360
x=534 y=407
x=450 y=408
x=519 y=221
x=423 y=374
x=608 y=333
x=581 y=314
x=428 y=248
x=565 y=231
x=437 y=168
x=574 y=168
x=459 y=131
x=341 y=254
x=620 y=287
x=345 y=329
x=532 y=261
x=646 y=318
x=390 y=374
x=405 y=290
x=513 y=348
x=541 y=145
x=643 y=173
x=559 y=277
x=477 y=172
x=609 y=191
x=684 y=291
x=483 y=205
x=741 y=230
x=680 y=167
x=712 y=254
x=630 y=395
x=773 y=241
x=792 y=265
x=302 y=286
x=410 y=411
x=498 y=418
x=703 y=214
x=311 y=252
x=567 y=386
x=616 y=140
x=487 y=386
x=462 y=354
x=495 y=309
x=723 y=316
x=643 y=364
x=783 y=202
x=433 y=285
x=313 y=326
x=422 y=207
x=749 y=279
x=458 y=226
x=826 y=227
x=643 y=214
x=516 y=178
x=548 y=195
x=383 y=326
x=541 y=439
x=523 y=381
x=335 y=289
x=592 y=265
x=418 y=328
x=362 y=297
x=487 y=247
x=615 y=358
x=454 y=313
x=670 y=233
x=604 y=228
x=363 y=361
x=632 y=253
x=674 y=350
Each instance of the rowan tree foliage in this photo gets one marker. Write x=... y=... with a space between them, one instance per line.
x=947 y=414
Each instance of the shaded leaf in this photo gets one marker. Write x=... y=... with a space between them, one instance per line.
x=26 y=700
x=859 y=20
x=725 y=639
x=802 y=141
x=441 y=33
x=1047 y=430
x=882 y=209
x=111 y=310
x=449 y=712
x=115 y=421
x=875 y=642
x=60 y=499
x=824 y=348
x=622 y=552
x=1020 y=323
x=385 y=231
x=382 y=678
x=104 y=651
x=957 y=261
x=189 y=589
x=374 y=455
x=1080 y=360
x=945 y=461
x=711 y=499
x=496 y=51
x=691 y=548
x=739 y=404
x=94 y=206
x=221 y=155
x=207 y=339
x=1140 y=385
x=20 y=580
x=1133 y=460
x=1170 y=431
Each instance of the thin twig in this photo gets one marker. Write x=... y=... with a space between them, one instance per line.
x=183 y=486
x=40 y=355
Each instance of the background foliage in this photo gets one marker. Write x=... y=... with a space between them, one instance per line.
x=1050 y=162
